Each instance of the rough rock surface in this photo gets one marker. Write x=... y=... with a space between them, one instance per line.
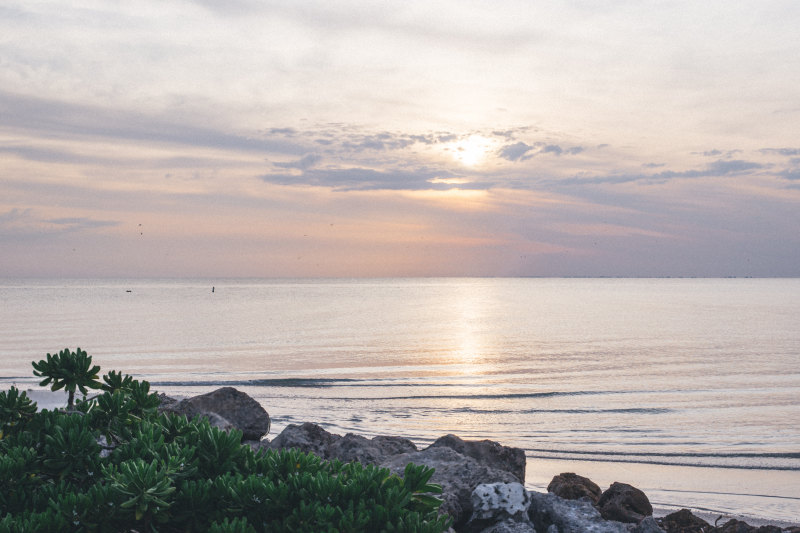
x=311 y=438
x=498 y=502
x=457 y=474
x=488 y=452
x=624 y=503
x=510 y=526
x=552 y=514
x=683 y=521
x=571 y=486
x=233 y=406
x=307 y=437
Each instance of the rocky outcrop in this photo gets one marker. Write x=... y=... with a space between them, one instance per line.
x=459 y=465
x=571 y=486
x=226 y=408
x=488 y=452
x=624 y=503
x=457 y=474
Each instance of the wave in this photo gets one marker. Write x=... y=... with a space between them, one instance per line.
x=781 y=461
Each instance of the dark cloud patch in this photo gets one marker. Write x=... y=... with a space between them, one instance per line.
x=718 y=168
x=49 y=155
x=521 y=151
x=516 y=151
x=791 y=174
x=364 y=179
x=304 y=163
x=724 y=168
x=56 y=118
x=289 y=132
x=653 y=165
x=781 y=151
x=80 y=223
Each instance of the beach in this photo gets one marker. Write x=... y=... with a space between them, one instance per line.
x=687 y=388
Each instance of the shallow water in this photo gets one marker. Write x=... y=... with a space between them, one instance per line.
x=688 y=387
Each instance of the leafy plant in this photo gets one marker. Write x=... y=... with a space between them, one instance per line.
x=145 y=488
x=15 y=408
x=68 y=370
x=116 y=464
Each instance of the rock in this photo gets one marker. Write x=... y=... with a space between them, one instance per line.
x=624 y=503
x=498 y=502
x=683 y=521
x=737 y=526
x=490 y=453
x=353 y=447
x=574 y=487
x=457 y=474
x=311 y=438
x=308 y=438
x=552 y=514
x=510 y=526
x=648 y=525
x=237 y=408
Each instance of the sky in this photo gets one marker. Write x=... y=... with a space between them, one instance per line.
x=253 y=138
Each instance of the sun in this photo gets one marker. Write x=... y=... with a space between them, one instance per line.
x=472 y=150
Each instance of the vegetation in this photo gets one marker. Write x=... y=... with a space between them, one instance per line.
x=114 y=463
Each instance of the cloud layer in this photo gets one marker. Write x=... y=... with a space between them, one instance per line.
x=423 y=138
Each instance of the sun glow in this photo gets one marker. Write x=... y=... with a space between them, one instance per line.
x=473 y=150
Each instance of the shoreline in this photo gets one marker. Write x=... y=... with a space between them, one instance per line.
x=538 y=477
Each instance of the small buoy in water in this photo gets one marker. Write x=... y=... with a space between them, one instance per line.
x=212 y=289
x=128 y=290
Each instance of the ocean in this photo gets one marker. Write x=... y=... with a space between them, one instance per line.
x=688 y=389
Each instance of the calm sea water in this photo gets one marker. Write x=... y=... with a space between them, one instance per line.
x=686 y=388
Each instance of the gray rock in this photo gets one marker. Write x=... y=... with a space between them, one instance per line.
x=574 y=487
x=488 y=452
x=353 y=447
x=312 y=438
x=229 y=405
x=457 y=474
x=553 y=514
x=307 y=437
x=624 y=503
x=648 y=525
x=510 y=526
x=498 y=502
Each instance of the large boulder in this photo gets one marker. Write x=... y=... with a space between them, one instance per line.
x=312 y=438
x=550 y=513
x=307 y=437
x=624 y=503
x=683 y=521
x=225 y=407
x=574 y=487
x=457 y=474
x=493 y=503
x=353 y=447
x=488 y=452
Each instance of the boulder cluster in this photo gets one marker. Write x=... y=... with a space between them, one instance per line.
x=482 y=481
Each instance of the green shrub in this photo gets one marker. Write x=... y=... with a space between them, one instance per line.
x=115 y=464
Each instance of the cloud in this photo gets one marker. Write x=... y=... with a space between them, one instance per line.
x=366 y=179
x=48 y=117
x=781 y=151
x=515 y=152
x=718 y=168
x=520 y=151
x=304 y=163
x=791 y=174
x=20 y=222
